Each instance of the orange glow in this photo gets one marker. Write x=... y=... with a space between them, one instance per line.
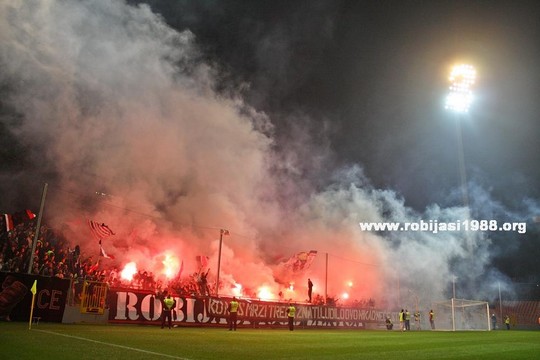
x=345 y=295
x=129 y=270
x=349 y=284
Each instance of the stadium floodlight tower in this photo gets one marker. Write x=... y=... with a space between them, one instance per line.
x=462 y=78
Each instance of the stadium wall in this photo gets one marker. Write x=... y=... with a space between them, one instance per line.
x=56 y=301
x=524 y=315
x=16 y=297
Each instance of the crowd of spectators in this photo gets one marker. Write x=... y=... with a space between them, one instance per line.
x=51 y=257
x=55 y=256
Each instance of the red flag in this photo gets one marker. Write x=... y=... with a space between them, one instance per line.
x=12 y=220
x=100 y=231
x=30 y=214
x=94 y=267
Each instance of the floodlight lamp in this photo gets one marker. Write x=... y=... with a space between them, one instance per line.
x=462 y=78
x=459 y=102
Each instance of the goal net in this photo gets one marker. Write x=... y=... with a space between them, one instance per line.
x=461 y=314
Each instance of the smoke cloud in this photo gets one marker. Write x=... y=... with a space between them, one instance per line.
x=120 y=113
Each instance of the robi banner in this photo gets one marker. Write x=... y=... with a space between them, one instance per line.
x=138 y=307
x=143 y=307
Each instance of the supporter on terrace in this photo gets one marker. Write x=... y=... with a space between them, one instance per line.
x=310 y=289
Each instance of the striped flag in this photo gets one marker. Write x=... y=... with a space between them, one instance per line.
x=301 y=261
x=100 y=231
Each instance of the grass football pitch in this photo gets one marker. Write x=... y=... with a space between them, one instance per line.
x=60 y=341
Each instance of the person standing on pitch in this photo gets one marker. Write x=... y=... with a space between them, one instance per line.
x=168 y=304
x=233 y=313
x=507 y=322
x=401 y=320
x=407 y=320
x=493 y=322
x=417 y=320
x=310 y=289
x=432 y=319
x=291 y=312
x=389 y=324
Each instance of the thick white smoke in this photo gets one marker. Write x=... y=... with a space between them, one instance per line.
x=114 y=101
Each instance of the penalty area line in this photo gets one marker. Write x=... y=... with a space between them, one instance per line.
x=113 y=345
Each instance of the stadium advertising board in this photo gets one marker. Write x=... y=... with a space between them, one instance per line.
x=127 y=306
x=16 y=297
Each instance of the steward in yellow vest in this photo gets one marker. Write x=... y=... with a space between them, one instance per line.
x=233 y=313
x=291 y=312
x=168 y=304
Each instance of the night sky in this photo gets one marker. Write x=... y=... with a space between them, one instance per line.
x=371 y=76
x=349 y=92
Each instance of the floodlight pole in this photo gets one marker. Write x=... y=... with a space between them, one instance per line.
x=415 y=299
x=487 y=318
x=453 y=317
x=500 y=302
x=461 y=163
x=219 y=261
x=326 y=281
x=398 y=292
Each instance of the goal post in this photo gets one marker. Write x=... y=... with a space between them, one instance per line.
x=461 y=314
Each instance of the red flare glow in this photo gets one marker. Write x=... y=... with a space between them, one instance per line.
x=171 y=266
x=264 y=293
x=129 y=270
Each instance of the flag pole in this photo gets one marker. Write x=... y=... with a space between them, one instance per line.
x=219 y=261
x=33 y=290
x=38 y=225
x=326 y=281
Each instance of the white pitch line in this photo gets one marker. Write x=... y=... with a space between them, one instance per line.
x=114 y=345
